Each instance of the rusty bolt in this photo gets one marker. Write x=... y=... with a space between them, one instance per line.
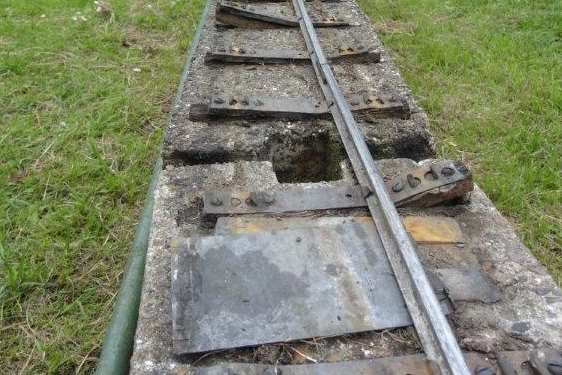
x=235 y=202
x=413 y=181
x=219 y=100
x=447 y=171
x=216 y=201
x=398 y=187
x=268 y=198
x=233 y=101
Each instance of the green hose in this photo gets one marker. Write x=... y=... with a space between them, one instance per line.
x=118 y=343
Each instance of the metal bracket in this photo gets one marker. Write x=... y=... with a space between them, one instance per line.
x=293 y=200
x=441 y=181
x=364 y=104
x=242 y=15
x=452 y=180
x=359 y=54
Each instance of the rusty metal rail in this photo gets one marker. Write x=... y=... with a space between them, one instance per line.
x=433 y=329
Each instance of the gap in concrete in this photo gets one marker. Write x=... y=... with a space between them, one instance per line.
x=310 y=159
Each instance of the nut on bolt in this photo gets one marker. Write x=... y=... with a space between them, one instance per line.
x=413 y=181
x=398 y=187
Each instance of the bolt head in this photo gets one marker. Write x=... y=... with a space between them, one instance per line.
x=216 y=201
x=268 y=198
x=398 y=187
x=447 y=171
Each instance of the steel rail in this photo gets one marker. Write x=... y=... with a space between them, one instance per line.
x=436 y=336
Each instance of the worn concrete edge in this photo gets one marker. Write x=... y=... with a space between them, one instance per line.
x=117 y=346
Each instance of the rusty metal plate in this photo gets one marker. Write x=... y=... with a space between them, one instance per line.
x=426 y=193
x=468 y=285
x=433 y=229
x=359 y=54
x=225 y=106
x=243 y=15
x=243 y=290
x=423 y=229
x=460 y=284
x=291 y=200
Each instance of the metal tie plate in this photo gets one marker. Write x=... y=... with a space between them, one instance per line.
x=242 y=15
x=431 y=187
x=424 y=229
x=228 y=106
x=359 y=54
x=294 y=199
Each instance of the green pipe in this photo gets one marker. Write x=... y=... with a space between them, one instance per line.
x=118 y=343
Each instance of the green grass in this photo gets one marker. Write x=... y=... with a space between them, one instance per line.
x=489 y=74
x=83 y=99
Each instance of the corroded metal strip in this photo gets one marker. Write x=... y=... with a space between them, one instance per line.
x=424 y=191
x=365 y=105
x=292 y=200
x=436 y=336
x=359 y=54
x=424 y=229
x=242 y=15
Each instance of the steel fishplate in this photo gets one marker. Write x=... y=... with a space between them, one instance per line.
x=359 y=54
x=242 y=15
x=364 y=104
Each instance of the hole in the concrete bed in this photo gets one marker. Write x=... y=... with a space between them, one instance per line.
x=310 y=159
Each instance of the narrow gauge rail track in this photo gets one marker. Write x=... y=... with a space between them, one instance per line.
x=433 y=329
x=287 y=251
